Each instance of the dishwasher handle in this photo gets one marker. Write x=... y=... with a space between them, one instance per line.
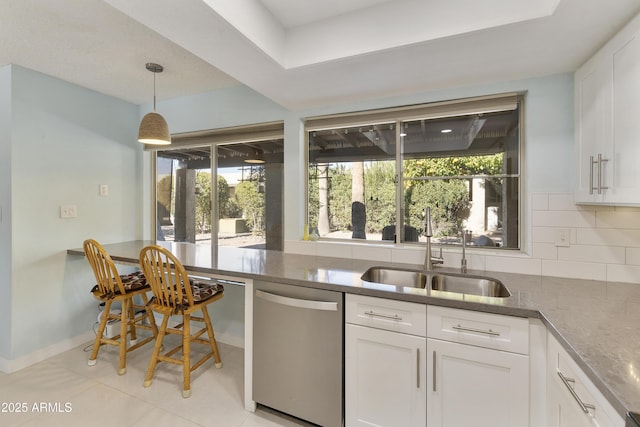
x=295 y=302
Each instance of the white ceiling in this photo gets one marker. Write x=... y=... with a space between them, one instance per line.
x=303 y=53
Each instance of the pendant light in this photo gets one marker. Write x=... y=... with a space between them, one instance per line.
x=255 y=157
x=153 y=127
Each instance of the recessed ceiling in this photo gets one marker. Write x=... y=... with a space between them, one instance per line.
x=326 y=31
x=293 y=13
x=304 y=54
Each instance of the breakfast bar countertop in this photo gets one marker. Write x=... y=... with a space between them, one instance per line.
x=598 y=323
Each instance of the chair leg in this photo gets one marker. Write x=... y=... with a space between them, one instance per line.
x=98 y=341
x=132 y=321
x=123 y=335
x=148 y=379
x=152 y=319
x=186 y=355
x=212 y=338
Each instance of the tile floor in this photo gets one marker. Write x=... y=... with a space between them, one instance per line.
x=75 y=394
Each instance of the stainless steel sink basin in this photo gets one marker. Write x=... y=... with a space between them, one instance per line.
x=444 y=282
x=394 y=276
x=473 y=285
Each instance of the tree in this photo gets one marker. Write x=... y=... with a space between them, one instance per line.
x=251 y=202
x=227 y=205
x=380 y=195
x=449 y=203
x=340 y=182
x=203 y=201
x=448 y=199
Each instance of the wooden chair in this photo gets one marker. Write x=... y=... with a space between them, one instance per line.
x=112 y=287
x=174 y=293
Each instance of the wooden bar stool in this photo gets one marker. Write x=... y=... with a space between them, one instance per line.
x=112 y=287
x=174 y=293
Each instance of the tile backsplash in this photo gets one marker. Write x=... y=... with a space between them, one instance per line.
x=604 y=241
x=601 y=243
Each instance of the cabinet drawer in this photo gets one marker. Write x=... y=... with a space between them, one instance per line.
x=391 y=315
x=569 y=380
x=481 y=329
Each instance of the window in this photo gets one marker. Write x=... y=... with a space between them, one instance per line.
x=232 y=178
x=372 y=174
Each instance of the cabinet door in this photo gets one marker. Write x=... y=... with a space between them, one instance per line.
x=606 y=124
x=592 y=130
x=476 y=387
x=562 y=410
x=384 y=378
x=572 y=399
x=626 y=126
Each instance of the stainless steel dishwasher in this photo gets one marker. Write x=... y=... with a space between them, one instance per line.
x=298 y=351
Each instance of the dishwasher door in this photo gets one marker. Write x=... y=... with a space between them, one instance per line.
x=298 y=351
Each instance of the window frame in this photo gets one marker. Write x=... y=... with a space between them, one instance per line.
x=212 y=138
x=433 y=110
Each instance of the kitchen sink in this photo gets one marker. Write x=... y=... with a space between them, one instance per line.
x=396 y=276
x=467 y=284
x=444 y=282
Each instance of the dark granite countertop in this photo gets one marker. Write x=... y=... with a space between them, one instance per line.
x=598 y=323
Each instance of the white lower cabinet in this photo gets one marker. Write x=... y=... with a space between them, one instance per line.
x=476 y=385
x=409 y=365
x=473 y=386
x=385 y=381
x=572 y=399
x=385 y=376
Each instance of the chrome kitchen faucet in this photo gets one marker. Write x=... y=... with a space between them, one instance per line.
x=429 y=260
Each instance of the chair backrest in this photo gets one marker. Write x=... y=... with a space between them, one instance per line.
x=104 y=269
x=167 y=277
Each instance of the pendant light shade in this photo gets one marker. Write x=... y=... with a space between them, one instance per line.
x=154 y=130
x=153 y=127
x=255 y=157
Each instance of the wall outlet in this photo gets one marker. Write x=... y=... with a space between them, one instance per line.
x=68 y=211
x=103 y=190
x=563 y=237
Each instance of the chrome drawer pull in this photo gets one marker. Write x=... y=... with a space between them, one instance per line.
x=461 y=328
x=372 y=313
x=584 y=406
x=434 y=370
x=417 y=368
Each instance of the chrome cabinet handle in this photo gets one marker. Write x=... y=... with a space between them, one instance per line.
x=600 y=160
x=372 y=313
x=418 y=368
x=591 y=163
x=434 y=371
x=599 y=187
x=461 y=328
x=584 y=406
x=295 y=302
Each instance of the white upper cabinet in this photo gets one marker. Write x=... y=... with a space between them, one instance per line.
x=607 y=125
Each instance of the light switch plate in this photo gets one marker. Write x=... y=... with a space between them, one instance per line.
x=103 y=190
x=68 y=211
x=563 y=237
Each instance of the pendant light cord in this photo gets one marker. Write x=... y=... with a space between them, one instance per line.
x=154 y=91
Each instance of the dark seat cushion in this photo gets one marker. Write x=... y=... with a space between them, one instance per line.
x=131 y=282
x=202 y=291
